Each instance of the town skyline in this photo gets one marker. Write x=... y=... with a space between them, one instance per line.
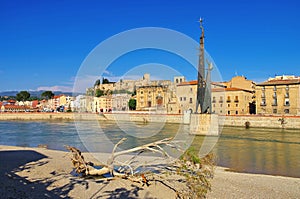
x=44 y=44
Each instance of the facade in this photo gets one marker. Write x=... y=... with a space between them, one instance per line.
x=231 y=101
x=186 y=95
x=152 y=98
x=279 y=95
x=120 y=102
x=225 y=99
x=102 y=104
x=240 y=82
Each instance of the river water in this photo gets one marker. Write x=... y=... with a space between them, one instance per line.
x=254 y=150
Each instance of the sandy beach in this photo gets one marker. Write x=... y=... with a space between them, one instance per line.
x=43 y=173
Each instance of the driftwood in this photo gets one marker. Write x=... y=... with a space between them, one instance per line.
x=190 y=170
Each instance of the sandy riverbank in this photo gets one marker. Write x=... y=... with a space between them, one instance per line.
x=43 y=173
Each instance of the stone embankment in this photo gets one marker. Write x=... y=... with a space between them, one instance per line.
x=258 y=121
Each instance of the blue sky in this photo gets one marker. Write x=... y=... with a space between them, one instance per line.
x=43 y=43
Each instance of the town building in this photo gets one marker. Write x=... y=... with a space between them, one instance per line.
x=279 y=96
x=186 y=95
x=226 y=99
x=120 y=101
x=156 y=98
x=102 y=104
x=231 y=101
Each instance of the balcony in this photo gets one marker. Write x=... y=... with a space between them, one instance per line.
x=213 y=101
x=220 y=101
x=236 y=101
x=228 y=101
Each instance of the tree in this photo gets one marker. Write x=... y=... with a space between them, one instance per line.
x=47 y=94
x=97 y=83
x=105 y=81
x=23 y=96
x=132 y=104
x=99 y=93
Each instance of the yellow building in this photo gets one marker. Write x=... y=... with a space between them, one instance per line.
x=231 y=101
x=102 y=104
x=240 y=82
x=152 y=98
x=279 y=95
x=186 y=95
x=225 y=98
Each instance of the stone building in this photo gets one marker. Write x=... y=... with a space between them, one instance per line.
x=102 y=104
x=151 y=97
x=279 y=95
x=231 y=101
x=225 y=98
x=240 y=82
x=120 y=101
x=156 y=98
x=186 y=95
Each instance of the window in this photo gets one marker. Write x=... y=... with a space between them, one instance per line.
x=228 y=99
x=214 y=100
x=221 y=99
x=191 y=89
x=184 y=99
x=228 y=105
x=142 y=92
x=180 y=98
x=228 y=112
x=275 y=111
x=176 y=81
x=236 y=112
x=191 y=100
x=274 y=102
x=286 y=110
x=236 y=99
x=275 y=88
x=236 y=105
x=286 y=102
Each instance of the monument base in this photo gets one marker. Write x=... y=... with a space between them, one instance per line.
x=204 y=124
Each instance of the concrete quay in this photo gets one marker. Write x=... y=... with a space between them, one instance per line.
x=257 y=121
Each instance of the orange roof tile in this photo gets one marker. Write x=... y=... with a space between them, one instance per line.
x=193 y=82
x=280 y=82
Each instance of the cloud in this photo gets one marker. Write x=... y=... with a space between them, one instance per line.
x=55 y=88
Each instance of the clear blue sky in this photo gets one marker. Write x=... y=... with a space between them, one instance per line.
x=43 y=43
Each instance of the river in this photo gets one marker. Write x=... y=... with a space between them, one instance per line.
x=254 y=150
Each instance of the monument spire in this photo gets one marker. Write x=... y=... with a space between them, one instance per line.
x=201 y=73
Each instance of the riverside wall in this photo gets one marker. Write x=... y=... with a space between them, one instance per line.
x=289 y=122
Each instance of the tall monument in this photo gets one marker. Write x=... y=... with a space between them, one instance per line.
x=203 y=122
x=203 y=87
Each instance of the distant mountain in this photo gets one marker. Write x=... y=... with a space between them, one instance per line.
x=37 y=93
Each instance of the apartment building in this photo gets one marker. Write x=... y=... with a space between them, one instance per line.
x=279 y=96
